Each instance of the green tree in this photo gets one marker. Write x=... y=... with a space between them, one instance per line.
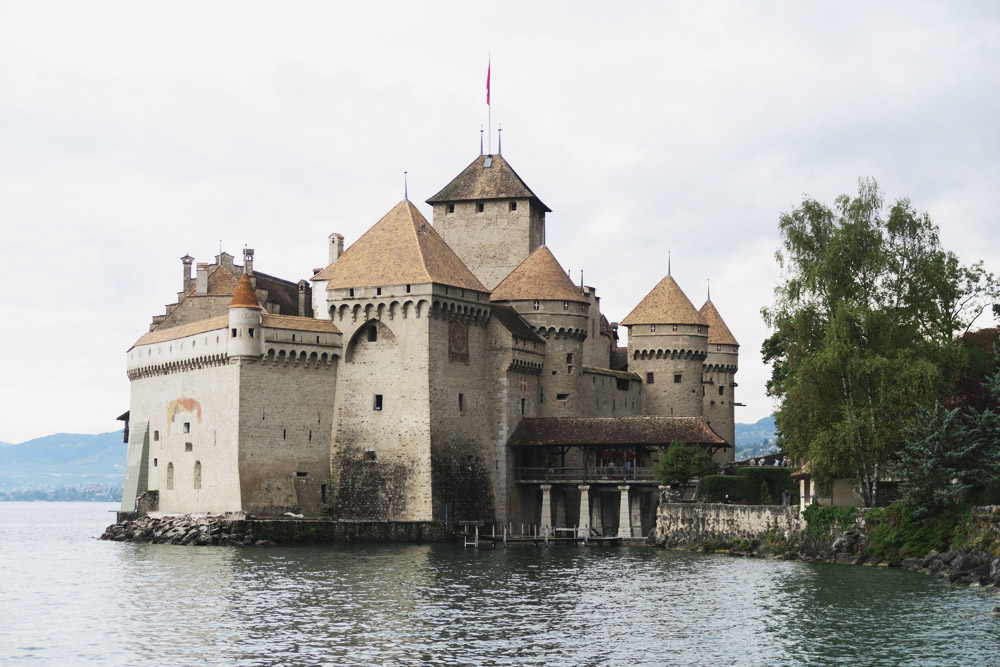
x=949 y=452
x=864 y=325
x=682 y=462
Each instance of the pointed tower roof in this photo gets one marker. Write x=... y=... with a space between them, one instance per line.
x=399 y=249
x=665 y=304
x=245 y=297
x=718 y=332
x=539 y=276
x=479 y=181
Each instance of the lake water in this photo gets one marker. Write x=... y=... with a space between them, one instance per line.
x=67 y=598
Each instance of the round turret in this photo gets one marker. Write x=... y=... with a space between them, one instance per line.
x=245 y=334
x=541 y=292
x=720 y=369
x=667 y=347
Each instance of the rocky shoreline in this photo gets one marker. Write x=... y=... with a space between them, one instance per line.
x=185 y=529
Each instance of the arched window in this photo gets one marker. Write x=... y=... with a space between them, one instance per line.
x=170 y=477
x=197 y=474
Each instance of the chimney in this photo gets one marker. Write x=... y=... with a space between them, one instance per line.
x=303 y=298
x=201 y=281
x=336 y=246
x=248 y=261
x=186 y=283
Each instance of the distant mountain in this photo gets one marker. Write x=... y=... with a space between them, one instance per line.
x=756 y=439
x=63 y=460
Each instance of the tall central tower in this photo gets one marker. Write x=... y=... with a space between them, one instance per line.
x=490 y=218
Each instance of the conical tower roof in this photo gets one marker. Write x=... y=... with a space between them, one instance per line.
x=540 y=277
x=718 y=332
x=399 y=249
x=245 y=297
x=665 y=304
x=479 y=181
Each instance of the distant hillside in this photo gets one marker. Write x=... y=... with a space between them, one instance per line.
x=63 y=460
x=756 y=439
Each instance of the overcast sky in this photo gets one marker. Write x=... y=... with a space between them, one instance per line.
x=132 y=134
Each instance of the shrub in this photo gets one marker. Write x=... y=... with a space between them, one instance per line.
x=819 y=520
x=748 y=486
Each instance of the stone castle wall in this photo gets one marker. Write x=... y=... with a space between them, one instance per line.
x=683 y=524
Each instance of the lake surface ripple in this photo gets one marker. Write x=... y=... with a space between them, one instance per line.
x=67 y=598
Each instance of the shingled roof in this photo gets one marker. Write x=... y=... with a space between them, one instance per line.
x=510 y=320
x=665 y=304
x=613 y=431
x=399 y=249
x=539 y=276
x=718 y=332
x=245 y=297
x=477 y=182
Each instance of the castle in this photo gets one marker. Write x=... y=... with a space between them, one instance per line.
x=431 y=372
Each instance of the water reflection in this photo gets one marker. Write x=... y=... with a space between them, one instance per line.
x=71 y=599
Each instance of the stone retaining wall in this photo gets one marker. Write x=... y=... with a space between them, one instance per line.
x=201 y=530
x=684 y=524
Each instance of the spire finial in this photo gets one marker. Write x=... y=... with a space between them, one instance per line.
x=406 y=194
x=709 y=289
x=668 y=262
x=480 y=139
x=499 y=145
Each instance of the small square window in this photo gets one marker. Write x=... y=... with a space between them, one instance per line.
x=188 y=447
x=718 y=348
x=187 y=427
x=378 y=401
x=352 y=291
x=251 y=332
x=535 y=305
x=652 y=328
x=407 y=289
x=565 y=305
x=649 y=378
x=450 y=208
x=156 y=436
x=678 y=378
x=722 y=390
x=372 y=334
x=155 y=462
x=370 y=456
x=569 y=357
x=461 y=402
x=699 y=328
x=674 y=327
x=513 y=206
x=234 y=333
x=480 y=207
x=378 y=291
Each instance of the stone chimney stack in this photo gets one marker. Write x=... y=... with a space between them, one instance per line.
x=248 y=261
x=201 y=281
x=336 y=246
x=186 y=283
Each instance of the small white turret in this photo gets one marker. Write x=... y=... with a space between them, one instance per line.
x=245 y=335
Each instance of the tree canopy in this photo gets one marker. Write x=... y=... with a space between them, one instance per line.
x=682 y=462
x=864 y=326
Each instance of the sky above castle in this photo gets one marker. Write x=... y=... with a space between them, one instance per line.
x=132 y=134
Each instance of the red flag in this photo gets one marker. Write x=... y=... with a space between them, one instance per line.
x=488 y=67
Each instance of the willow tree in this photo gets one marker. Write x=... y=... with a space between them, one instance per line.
x=864 y=324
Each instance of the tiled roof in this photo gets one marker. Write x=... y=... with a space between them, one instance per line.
x=400 y=249
x=298 y=323
x=515 y=324
x=718 y=332
x=613 y=431
x=245 y=297
x=173 y=333
x=478 y=181
x=539 y=276
x=665 y=304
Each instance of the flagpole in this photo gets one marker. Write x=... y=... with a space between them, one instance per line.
x=489 y=107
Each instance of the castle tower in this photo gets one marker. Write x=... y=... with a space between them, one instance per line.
x=245 y=339
x=720 y=368
x=667 y=347
x=541 y=292
x=490 y=218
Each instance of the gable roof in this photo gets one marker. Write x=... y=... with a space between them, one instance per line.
x=399 y=249
x=613 y=431
x=162 y=335
x=477 y=181
x=539 y=276
x=718 y=332
x=665 y=304
x=245 y=297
